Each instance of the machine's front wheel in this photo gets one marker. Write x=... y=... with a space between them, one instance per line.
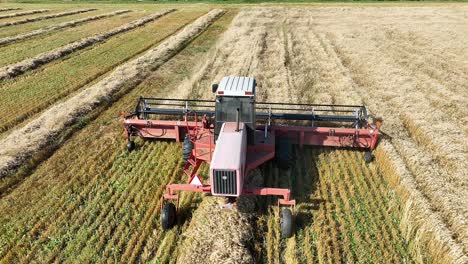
x=287 y=223
x=187 y=148
x=368 y=157
x=168 y=216
x=130 y=146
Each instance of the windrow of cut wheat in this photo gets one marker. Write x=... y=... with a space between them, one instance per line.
x=29 y=64
x=9 y=9
x=32 y=12
x=29 y=139
x=41 y=31
x=63 y=77
x=40 y=18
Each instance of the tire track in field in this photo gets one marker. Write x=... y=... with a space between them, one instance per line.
x=40 y=18
x=23 y=36
x=24 y=13
x=21 y=67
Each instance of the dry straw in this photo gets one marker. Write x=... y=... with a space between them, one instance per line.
x=34 y=19
x=217 y=235
x=24 y=142
x=25 y=13
x=67 y=24
x=45 y=57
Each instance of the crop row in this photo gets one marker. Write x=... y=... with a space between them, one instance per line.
x=21 y=67
x=127 y=76
x=34 y=19
x=24 y=13
x=9 y=9
x=61 y=78
x=16 y=52
x=67 y=24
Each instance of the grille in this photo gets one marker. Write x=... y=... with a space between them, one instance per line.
x=225 y=182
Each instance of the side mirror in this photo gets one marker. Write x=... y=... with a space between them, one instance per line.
x=214 y=87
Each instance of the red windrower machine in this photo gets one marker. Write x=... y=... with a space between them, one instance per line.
x=235 y=134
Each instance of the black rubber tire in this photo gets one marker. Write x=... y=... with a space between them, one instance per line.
x=287 y=223
x=187 y=148
x=130 y=146
x=168 y=216
x=214 y=87
x=368 y=157
x=284 y=154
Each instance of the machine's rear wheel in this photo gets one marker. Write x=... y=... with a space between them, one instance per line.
x=287 y=223
x=187 y=148
x=168 y=216
x=130 y=146
x=284 y=153
x=368 y=157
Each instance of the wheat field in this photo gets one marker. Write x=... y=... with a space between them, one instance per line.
x=69 y=190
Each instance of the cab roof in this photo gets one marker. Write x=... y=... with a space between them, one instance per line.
x=237 y=86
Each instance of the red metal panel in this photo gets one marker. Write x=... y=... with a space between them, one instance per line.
x=160 y=128
x=329 y=136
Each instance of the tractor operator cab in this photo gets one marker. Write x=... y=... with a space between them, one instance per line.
x=235 y=102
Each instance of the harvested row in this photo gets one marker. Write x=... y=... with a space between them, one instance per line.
x=25 y=13
x=48 y=29
x=29 y=64
x=34 y=19
x=9 y=9
x=25 y=141
x=108 y=201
